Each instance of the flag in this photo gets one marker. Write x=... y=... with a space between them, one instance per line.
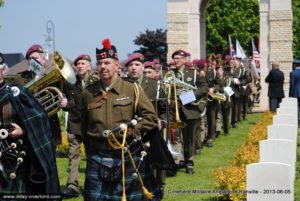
x=256 y=55
x=231 y=49
x=255 y=61
x=239 y=51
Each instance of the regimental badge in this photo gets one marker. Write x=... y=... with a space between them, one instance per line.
x=189 y=79
x=1 y=60
x=111 y=52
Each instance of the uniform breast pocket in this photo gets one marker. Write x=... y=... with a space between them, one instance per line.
x=123 y=109
x=96 y=113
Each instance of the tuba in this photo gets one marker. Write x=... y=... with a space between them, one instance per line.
x=50 y=97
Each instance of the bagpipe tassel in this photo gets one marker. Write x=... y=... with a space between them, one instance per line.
x=147 y=194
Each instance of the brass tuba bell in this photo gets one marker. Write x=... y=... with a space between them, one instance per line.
x=48 y=96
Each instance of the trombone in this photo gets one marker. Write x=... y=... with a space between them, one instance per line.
x=177 y=123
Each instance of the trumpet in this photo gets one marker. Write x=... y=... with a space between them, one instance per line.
x=50 y=97
x=217 y=96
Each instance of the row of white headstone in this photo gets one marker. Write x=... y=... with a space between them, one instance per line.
x=272 y=179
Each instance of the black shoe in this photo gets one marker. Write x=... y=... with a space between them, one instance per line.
x=189 y=171
x=70 y=193
x=234 y=125
x=182 y=164
x=209 y=143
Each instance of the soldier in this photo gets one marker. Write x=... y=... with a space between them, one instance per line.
x=212 y=105
x=149 y=70
x=224 y=81
x=152 y=88
x=235 y=85
x=245 y=79
x=107 y=103
x=189 y=113
x=84 y=78
x=35 y=55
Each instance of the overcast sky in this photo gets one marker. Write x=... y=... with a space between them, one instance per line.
x=79 y=26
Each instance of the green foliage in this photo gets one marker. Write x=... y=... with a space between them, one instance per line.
x=296 y=28
x=1 y=3
x=153 y=44
x=237 y=18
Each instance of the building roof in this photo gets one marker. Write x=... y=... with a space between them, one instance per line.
x=12 y=59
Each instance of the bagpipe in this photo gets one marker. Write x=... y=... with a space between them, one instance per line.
x=121 y=132
x=152 y=146
x=12 y=153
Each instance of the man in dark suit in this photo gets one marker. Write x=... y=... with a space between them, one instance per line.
x=295 y=83
x=275 y=79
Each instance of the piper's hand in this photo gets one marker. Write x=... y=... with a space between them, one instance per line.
x=17 y=131
x=63 y=103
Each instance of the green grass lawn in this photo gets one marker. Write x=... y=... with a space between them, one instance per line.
x=219 y=155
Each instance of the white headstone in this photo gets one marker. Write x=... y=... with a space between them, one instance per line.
x=269 y=182
x=285 y=119
x=289 y=102
x=281 y=151
x=285 y=110
x=285 y=132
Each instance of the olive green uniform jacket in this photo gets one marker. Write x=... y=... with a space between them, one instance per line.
x=75 y=103
x=116 y=108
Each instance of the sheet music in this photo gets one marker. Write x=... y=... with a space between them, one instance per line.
x=187 y=97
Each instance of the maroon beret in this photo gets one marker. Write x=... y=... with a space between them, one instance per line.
x=227 y=58
x=82 y=57
x=149 y=64
x=156 y=61
x=195 y=61
x=135 y=57
x=179 y=52
x=34 y=48
x=201 y=63
x=219 y=56
x=218 y=66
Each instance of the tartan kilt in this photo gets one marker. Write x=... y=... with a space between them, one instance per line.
x=96 y=189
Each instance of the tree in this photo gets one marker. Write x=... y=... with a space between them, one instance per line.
x=239 y=18
x=1 y=3
x=153 y=45
x=296 y=28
